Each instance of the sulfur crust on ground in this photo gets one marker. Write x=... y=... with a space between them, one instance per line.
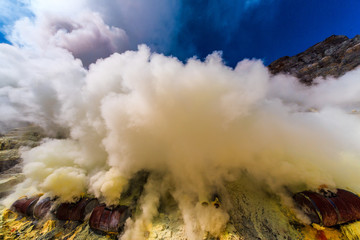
x=255 y=213
x=14 y=226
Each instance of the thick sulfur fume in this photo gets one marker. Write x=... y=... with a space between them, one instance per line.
x=197 y=124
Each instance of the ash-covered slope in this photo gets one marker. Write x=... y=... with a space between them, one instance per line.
x=334 y=56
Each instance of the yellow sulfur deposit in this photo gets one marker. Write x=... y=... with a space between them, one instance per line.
x=12 y=226
x=351 y=231
x=316 y=232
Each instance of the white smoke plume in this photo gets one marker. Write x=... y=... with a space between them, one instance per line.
x=149 y=204
x=197 y=123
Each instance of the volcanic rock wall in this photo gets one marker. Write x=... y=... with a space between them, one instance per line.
x=334 y=56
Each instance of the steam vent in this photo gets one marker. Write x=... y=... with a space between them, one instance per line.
x=260 y=175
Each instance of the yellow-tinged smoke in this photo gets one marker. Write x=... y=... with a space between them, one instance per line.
x=198 y=124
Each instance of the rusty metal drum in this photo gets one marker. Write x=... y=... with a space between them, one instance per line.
x=329 y=208
x=25 y=205
x=109 y=219
x=76 y=211
x=42 y=207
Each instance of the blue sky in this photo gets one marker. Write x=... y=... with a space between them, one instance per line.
x=11 y=11
x=264 y=29
x=2 y=38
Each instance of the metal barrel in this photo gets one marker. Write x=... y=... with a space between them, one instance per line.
x=76 y=211
x=109 y=219
x=42 y=207
x=348 y=205
x=25 y=205
x=329 y=209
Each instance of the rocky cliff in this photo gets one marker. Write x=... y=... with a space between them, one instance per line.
x=334 y=56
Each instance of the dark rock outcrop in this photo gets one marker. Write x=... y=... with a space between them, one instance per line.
x=334 y=56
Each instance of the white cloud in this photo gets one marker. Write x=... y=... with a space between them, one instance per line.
x=91 y=29
x=11 y=11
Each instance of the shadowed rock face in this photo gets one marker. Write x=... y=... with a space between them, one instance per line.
x=334 y=56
